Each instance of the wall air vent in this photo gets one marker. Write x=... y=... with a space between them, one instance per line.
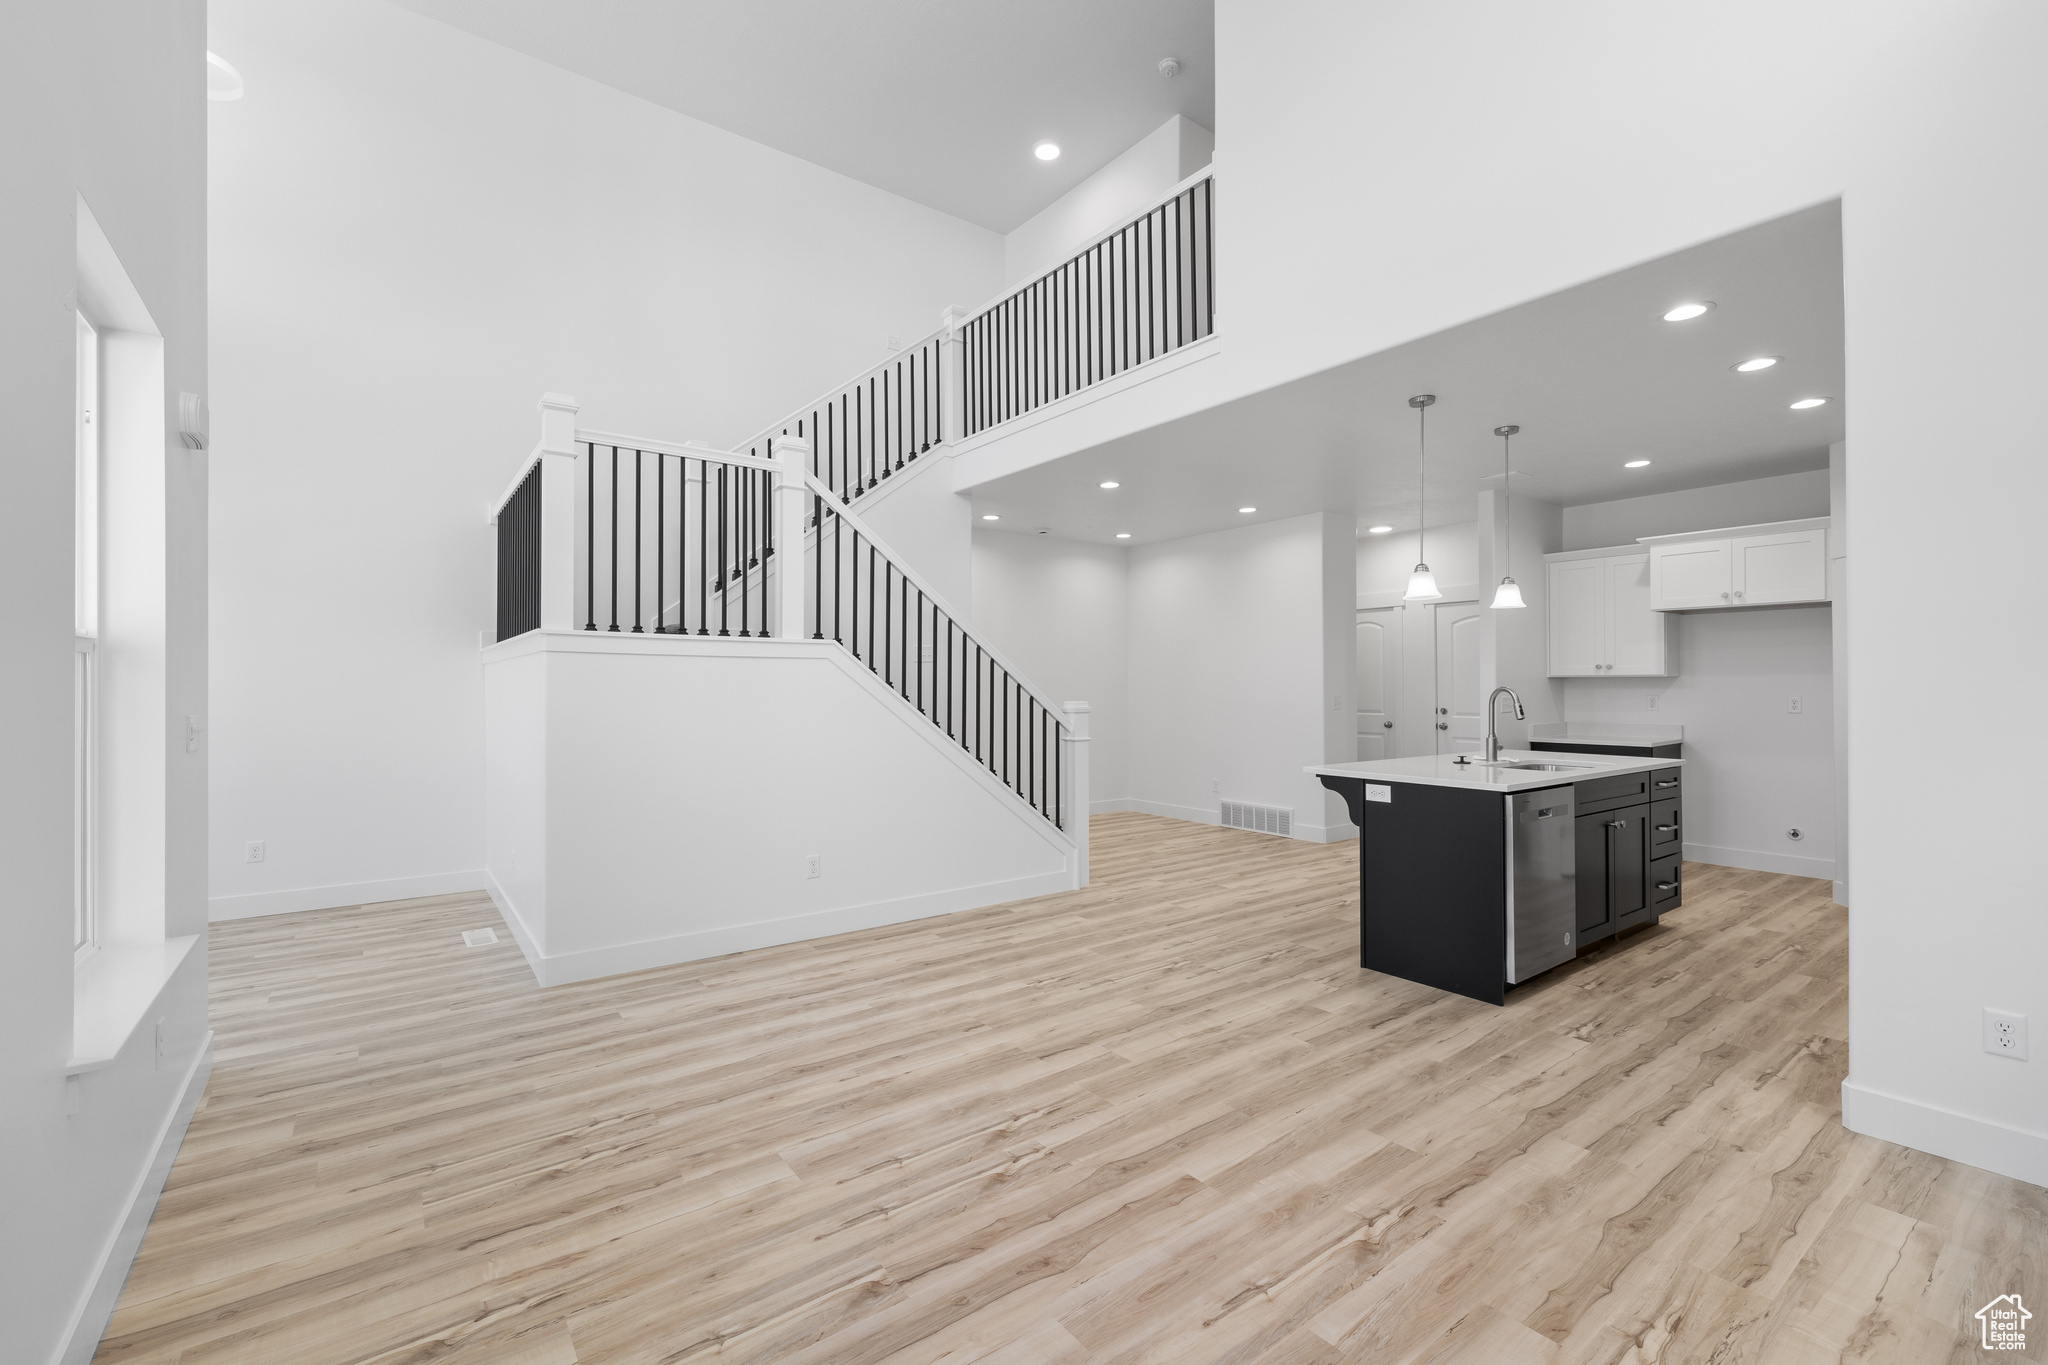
x=1264 y=819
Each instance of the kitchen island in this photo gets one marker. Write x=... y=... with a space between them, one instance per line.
x=1475 y=876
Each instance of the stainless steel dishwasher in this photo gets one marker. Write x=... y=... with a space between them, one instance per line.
x=1542 y=894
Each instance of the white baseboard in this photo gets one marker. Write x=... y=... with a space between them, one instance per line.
x=1310 y=834
x=349 y=893
x=1983 y=1143
x=117 y=1258
x=559 y=969
x=1787 y=863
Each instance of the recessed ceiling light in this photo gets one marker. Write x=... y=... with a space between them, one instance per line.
x=1762 y=362
x=990 y=516
x=1247 y=509
x=1686 y=312
x=1808 y=403
x=223 y=82
x=1123 y=535
x=1634 y=464
x=1047 y=151
x=1377 y=530
x=1109 y=483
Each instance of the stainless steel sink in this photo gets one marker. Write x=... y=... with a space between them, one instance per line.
x=1549 y=767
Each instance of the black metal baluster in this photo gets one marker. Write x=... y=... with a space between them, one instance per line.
x=1209 y=256
x=638 y=519
x=724 y=597
x=1059 y=784
x=614 y=545
x=920 y=650
x=660 y=541
x=872 y=667
x=590 y=538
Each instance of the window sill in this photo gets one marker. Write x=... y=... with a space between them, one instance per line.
x=112 y=994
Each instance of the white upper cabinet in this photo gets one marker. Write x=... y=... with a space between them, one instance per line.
x=1748 y=566
x=1600 y=621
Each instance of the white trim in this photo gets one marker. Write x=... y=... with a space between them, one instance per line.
x=295 y=899
x=117 y=1257
x=492 y=509
x=692 y=449
x=1791 y=864
x=590 y=963
x=1207 y=348
x=529 y=945
x=114 y=991
x=1984 y=1143
x=938 y=456
x=1768 y=528
x=1606 y=552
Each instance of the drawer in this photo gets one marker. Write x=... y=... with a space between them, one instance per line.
x=1609 y=793
x=1665 y=888
x=1666 y=782
x=1665 y=834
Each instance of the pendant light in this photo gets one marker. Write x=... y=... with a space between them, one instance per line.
x=1421 y=583
x=1509 y=594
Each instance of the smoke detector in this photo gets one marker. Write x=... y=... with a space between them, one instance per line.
x=1169 y=67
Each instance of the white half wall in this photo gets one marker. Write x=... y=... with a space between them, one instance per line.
x=416 y=233
x=664 y=807
x=1059 y=609
x=1241 y=670
x=1169 y=154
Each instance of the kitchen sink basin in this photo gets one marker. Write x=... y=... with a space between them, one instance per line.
x=1549 y=767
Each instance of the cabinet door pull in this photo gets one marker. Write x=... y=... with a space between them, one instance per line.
x=1617 y=824
x=1672 y=783
x=1667 y=886
x=1666 y=829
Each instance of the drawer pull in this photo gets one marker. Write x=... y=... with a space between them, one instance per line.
x=1667 y=886
x=1672 y=783
x=1666 y=829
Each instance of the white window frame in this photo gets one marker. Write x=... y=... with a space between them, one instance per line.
x=85 y=684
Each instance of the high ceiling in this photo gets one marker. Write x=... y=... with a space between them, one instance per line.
x=1593 y=375
x=940 y=103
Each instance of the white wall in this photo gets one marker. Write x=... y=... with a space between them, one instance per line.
x=1941 y=236
x=1786 y=497
x=416 y=233
x=1753 y=769
x=1384 y=562
x=1514 y=645
x=1232 y=679
x=1136 y=179
x=1058 y=609
x=669 y=833
x=107 y=103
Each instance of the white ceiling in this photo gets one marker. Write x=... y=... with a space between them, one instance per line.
x=940 y=103
x=1593 y=375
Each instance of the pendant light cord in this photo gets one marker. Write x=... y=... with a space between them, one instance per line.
x=1507 y=507
x=1422 y=480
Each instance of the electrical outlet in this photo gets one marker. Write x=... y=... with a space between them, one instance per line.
x=254 y=853
x=1794 y=707
x=159 y=1063
x=1653 y=701
x=814 y=865
x=2005 y=1034
x=1215 y=784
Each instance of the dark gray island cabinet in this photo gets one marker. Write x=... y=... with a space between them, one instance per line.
x=1474 y=877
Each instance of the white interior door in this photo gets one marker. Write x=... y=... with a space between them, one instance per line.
x=1458 y=721
x=1379 y=674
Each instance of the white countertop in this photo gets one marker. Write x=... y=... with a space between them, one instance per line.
x=1440 y=770
x=1594 y=732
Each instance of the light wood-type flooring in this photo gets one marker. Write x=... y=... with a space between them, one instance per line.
x=1166 y=1119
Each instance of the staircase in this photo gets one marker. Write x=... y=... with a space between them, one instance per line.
x=658 y=603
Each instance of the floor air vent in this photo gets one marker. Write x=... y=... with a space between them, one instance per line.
x=1264 y=819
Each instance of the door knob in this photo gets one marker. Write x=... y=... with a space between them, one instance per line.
x=1442 y=725
x=1388 y=724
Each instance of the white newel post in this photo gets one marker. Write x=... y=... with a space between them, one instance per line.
x=952 y=374
x=558 y=492
x=1076 y=741
x=792 y=509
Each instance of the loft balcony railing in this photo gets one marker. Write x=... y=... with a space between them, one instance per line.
x=1134 y=294
x=618 y=535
